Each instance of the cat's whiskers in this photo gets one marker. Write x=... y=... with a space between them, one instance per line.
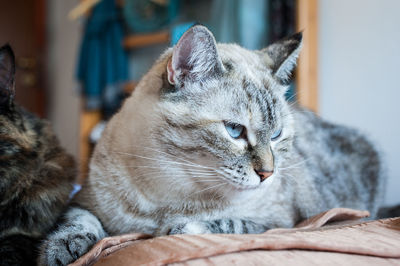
x=296 y=165
x=160 y=161
x=178 y=181
x=294 y=96
x=194 y=176
x=208 y=188
x=292 y=180
x=191 y=170
x=178 y=169
x=216 y=197
x=202 y=181
x=154 y=169
x=181 y=171
x=168 y=154
x=149 y=174
x=158 y=173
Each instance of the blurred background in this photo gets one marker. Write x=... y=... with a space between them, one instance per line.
x=77 y=60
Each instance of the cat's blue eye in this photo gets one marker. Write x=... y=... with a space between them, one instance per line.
x=276 y=134
x=234 y=130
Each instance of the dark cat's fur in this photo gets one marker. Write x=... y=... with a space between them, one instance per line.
x=36 y=174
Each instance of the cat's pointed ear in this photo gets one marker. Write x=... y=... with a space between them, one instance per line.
x=281 y=57
x=194 y=57
x=7 y=76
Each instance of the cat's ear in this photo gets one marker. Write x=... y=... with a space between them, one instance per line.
x=194 y=57
x=7 y=76
x=281 y=57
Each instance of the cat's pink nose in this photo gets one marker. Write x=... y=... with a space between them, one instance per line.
x=263 y=174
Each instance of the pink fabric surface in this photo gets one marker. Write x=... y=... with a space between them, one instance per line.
x=313 y=242
x=290 y=258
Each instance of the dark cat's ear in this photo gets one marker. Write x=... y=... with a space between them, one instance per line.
x=7 y=75
x=194 y=57
x=282 y=56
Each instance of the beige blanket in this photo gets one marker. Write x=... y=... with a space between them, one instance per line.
x=330 y=238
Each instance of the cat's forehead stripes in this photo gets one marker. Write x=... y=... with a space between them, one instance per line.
x=248 y=67
x=263 y=100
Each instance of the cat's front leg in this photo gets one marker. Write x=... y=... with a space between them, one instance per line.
x=80 y=231
x=220 y=226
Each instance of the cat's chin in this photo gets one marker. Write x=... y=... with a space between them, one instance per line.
x=248 y=187
x=243 y=187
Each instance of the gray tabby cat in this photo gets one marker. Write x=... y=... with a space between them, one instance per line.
x=207 y=143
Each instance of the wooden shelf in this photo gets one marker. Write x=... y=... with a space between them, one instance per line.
x=141 y=40
x=88 y=120
x=307 y=67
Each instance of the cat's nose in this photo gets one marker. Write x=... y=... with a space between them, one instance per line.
x=263 y=174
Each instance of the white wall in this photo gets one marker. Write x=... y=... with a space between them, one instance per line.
x=63 y=39
x=359 y=67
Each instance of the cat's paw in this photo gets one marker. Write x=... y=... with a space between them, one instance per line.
x=190 y=228
x=80 y=231
x=63 y=250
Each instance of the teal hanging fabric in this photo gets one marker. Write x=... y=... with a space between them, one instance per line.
x=103 y=63
x=240 y=21
x=148 y=15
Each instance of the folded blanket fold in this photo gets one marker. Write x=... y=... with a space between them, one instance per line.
x=311 y=240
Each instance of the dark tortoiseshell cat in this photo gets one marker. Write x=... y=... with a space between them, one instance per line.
x=36 y=174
